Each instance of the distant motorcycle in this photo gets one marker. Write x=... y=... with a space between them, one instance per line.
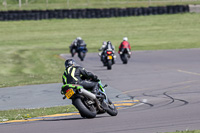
x=87 y=103
x=125 y=54
x=108 y=58
x=81 y=50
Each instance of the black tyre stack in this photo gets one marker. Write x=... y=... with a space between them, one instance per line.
x=90 y=13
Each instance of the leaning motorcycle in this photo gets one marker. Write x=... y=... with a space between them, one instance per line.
x=108 y=58
x=82 y=50
x=125 y=54
x=87 y=103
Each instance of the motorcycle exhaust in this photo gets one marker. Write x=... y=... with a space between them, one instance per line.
x=91 y=96
x=87 y=93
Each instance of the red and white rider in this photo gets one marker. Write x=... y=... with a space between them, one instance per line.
x=124 y=44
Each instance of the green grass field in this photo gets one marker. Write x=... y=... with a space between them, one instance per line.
x=81 y=4
x=29 y=49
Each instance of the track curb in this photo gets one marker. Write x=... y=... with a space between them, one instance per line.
x=119 y=105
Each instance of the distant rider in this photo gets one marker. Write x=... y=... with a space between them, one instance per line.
x=102 y=50
x=124 y=44
x=109 y=46
x=77 y=43
x=75 y=74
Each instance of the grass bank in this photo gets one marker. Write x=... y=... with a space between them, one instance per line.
x=22 y=114
x=82 y=4
x=29 y=49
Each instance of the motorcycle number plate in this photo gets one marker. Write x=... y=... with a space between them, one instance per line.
x=109 y=57
x=69 y=93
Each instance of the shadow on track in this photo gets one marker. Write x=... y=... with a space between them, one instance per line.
x=73 y=118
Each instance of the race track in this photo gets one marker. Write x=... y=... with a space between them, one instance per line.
x=167 y=83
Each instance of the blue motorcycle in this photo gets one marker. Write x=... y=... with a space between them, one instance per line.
x=81 y=50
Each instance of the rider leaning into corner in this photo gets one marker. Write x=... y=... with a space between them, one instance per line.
x=124 y=44
x=76 y=43
x=75 y=74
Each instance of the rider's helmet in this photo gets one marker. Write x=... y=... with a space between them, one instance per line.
x=109 y=43
x=79 y=38
x=104 y=43
x=125 y=39
x=69 y=62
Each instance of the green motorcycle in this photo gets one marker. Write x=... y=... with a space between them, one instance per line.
x=87 y=103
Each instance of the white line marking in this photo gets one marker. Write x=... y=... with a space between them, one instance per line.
x=189 y=72
x=144 y=100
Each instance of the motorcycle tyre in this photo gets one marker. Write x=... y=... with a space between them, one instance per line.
x=83 y=110
x=125 y=60
x=109 y=65
x=81 y=56
x=104 y=63
x=112 y=111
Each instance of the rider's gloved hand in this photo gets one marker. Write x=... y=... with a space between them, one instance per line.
x=95 y=78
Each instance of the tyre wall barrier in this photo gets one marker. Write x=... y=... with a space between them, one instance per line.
x=90 y=13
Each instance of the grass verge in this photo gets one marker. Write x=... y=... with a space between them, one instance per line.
x=81 y=4
x=23 y=114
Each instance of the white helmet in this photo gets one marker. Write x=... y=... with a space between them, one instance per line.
x=79 y=38
x=125 y=39
x=104 y=43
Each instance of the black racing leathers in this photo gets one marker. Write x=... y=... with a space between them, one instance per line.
x=78 y=75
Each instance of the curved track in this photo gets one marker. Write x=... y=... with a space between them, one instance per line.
x=167 y=82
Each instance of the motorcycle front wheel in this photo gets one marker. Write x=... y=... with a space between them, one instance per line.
x=84 y=109
x=111 y=108
x=81 y=56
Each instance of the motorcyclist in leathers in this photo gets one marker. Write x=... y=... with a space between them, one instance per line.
x=109 y=46
x=125 y=44
x=75 y=74
x=102 y=50
x=77 y=43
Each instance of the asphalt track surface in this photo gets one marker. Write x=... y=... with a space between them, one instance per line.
x=167 y=83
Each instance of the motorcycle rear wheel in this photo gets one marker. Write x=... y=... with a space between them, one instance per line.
x=109 y=65
x=124 y=58
x=84 y=110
